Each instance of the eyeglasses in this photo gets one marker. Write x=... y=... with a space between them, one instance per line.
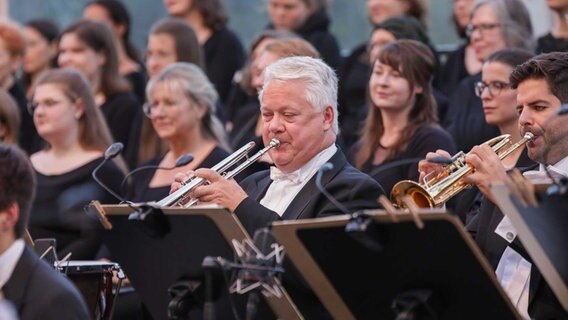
x=494 y=87
x=151 y=108
x=483 y=27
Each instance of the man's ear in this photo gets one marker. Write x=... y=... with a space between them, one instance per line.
x=9 y=217
x=328 y=115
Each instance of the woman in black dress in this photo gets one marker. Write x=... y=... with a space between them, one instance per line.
x=76 y=134
x=181 y=105
x=402 y=122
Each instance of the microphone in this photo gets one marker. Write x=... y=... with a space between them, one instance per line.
x=180 y=162
x=326 y=167
x=110 y=153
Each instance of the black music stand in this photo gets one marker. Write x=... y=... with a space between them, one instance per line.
x=386 y=260
x=543 y=230
x=155 y=263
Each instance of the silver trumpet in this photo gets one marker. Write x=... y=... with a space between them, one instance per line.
x=177 y=198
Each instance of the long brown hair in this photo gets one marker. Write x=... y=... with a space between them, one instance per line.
x=416 y=64
x=9 y=118
x=98 y=37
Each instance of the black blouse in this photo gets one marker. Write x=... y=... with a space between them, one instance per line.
x=58 y=208
x=140 y=190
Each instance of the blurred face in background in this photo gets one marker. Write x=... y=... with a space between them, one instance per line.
x=288 y=14
x=389 y=90
x=498 y=99
x=462 y=10
x=74 y=53
x=264 y=60
x=8 y=63
x=178 y=8
x=558 y=5
x=55 y=114
x=100 y=14
x=486 y=32
x=381 y=10
x=39 y=52
x=379 y=38
x=160 y=53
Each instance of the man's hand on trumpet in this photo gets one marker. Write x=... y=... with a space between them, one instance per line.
x=226 y=193
x=429 y=167
x=488 y=169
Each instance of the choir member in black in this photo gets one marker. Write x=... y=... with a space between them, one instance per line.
x=557 y=38
x=115 y=14
x=9 y=119
x=494 y=25
x=41 y=51
x=402 y=122
x=224 y=53
x=77 y=136
x=310 y=20
x=181 y=105
x=89 y=47
x=12 y=47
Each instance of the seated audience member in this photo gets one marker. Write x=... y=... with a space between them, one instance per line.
x=298 y=107
x=181 y=106
x=170 y=40
x=77 y=136
x=379 y=11
x=402 y=122
x=462 y=62
x=35 y=289
x=41 y=51
x=542 y=87
x=88 y=46
x=12 y=47
x=115 y=15
x=494 y=25
x=9 y=119
x=557 y=38
x=242 y=93
x=248 y=123
x=353 y=109
x=310 y=20
x=223 y=51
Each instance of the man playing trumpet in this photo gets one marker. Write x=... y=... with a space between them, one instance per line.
x=299 y=108
x=542 y=87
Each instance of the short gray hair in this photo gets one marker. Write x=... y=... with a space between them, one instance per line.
x=194 y=83
x=321 y=81
x=516 y=22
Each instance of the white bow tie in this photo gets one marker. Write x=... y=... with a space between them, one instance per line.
x=277 y=175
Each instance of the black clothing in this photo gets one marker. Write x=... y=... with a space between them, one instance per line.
x=452 y=73
x=224 y=55
x=122 y=112
x=140 y=190
x=29 y=139
x=315 y=30
x=465 y=119
x=548 y=43
x=40 y=292
x=57 y=211
x=138 y=80
x=429 y=138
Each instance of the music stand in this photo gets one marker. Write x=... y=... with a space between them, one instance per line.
x=153 y=264
x=543 y=232
x=359 y=275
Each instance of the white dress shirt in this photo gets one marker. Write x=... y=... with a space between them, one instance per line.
x=8 y=261
x=285 y=186
x=513 y=271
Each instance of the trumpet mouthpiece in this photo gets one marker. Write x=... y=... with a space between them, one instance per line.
x=529 y=136
x=275 y=143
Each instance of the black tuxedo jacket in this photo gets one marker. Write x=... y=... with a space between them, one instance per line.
x=542 y=301
x=352 y=188
x=40 y=292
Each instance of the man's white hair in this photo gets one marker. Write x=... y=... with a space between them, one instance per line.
x=320 y=81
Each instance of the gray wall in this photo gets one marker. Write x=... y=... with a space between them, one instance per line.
x=350 y=23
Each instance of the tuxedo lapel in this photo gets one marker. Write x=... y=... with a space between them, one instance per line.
x=258 y=188
x=15 y=289
x=309 y=192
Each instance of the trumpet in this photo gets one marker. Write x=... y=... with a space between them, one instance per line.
x=178 y=197
x=449 y=182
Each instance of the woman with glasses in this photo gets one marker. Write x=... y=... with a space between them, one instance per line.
x=402 y=121
x=494 y=25
x=181 y=106
x=76 y=137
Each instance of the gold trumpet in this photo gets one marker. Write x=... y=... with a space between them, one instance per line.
x=178 y=197
x=449 y=182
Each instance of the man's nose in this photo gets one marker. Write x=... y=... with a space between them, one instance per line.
x=275 y=124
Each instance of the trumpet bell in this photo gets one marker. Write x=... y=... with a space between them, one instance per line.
x=415 y=191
